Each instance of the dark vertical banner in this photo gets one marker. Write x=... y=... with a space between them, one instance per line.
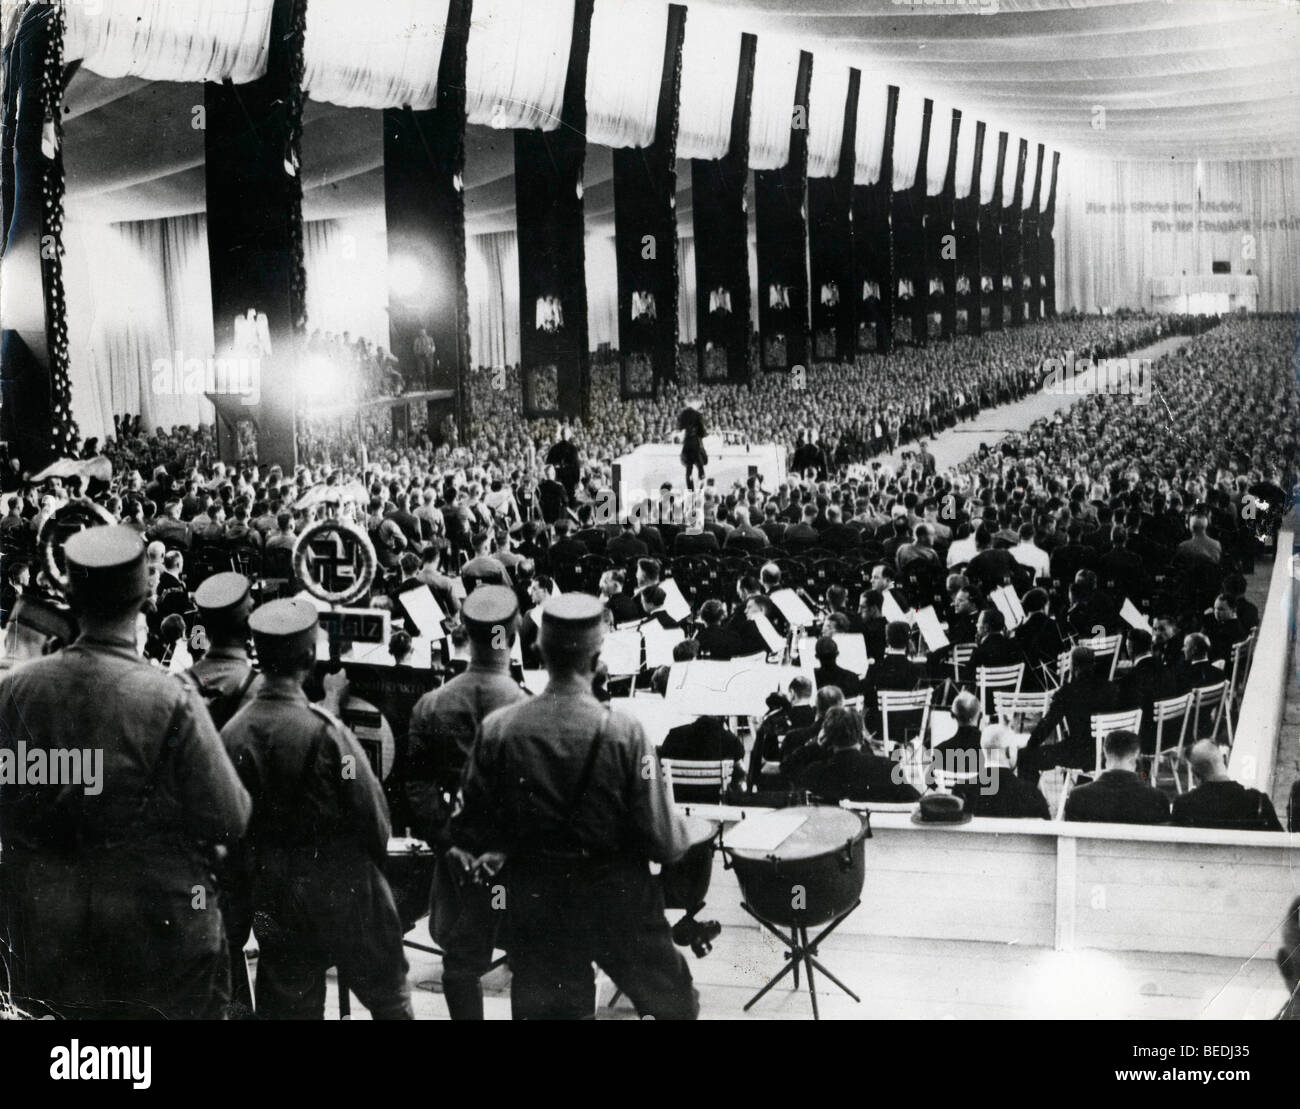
x=255 y=252
x=873 y=246
x=720 y=212
x=908 y=224
x=424 y=208
x=1013 y=273
x=941 y=240
x=783 y=243
x=830 y=245
x=991 y=243
x=1031 y=265
x=555 y=363
x=1047 y=243
x=966 y=225
x=645 y=236
x=35 y=388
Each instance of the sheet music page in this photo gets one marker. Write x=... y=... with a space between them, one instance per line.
x=792 y=607
x=423 y=608
x=675 y=604
x=927 y=621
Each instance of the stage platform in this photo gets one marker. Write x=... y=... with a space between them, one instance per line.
x=650 y=466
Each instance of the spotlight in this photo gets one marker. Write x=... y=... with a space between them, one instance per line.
x=405 y=276
x=318 y=376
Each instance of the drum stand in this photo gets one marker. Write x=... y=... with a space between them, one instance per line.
x=799 y=949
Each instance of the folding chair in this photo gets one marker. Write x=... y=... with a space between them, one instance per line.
x=698 y=774
x=909 y=704
x=1020 y=711
x=960 y=659
x=989 y=679
x=1210 y=702
x=1238 y=669
x=1102 y=724
x=1163 y=715
x=1103 y=647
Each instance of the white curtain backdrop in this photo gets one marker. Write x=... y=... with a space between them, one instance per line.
x=830 y=89
x=965 y=155
x=907 y=137
x=1031 y=175
x=625 y=70
x=492 y=278
x=347 y=277
x=137 y=293
x=170 y=40
x=366 y=55
x=776 y=73
x=1046 y=190
x=1120 y=224
x=518 y=60
x=936 y=159
x=869 y=143
x=686 y=322
x=602 y=291
x=710 y=63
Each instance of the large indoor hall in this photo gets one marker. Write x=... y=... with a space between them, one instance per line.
x=619 y=509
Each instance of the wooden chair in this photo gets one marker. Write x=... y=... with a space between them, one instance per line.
x=1163 y=715
x=1102 y=724
x=1238 y=669
x=1020 y=711
x=912 y=705
x=1210 y=702
x=1104 y=647
x=960 y=659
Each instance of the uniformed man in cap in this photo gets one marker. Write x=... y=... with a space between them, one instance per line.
x=443 y=727
x=111 y=904
x=571 y=794
x=317 y=840
x=224 y=675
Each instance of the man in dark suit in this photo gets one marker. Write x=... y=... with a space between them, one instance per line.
x=846 y=772
x=994 y=647
x=966 y=740
x=796 y=739
x=1038 y=637
x=1220 y=802
x=784 y=717
x=991 y=567
x=703 y=739
x=1119 y=795
x=1223 y=629
x=999 y=793
x=1148 y=680
x=721 y=641
x=626 y=545
x=1087 y=692
x=872 y=624
x=830 y=672
x=837 y=535
x=801 y=536
x=1196 y=670
x=566 y=552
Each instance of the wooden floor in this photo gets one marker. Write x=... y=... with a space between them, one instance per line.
x=931 y=980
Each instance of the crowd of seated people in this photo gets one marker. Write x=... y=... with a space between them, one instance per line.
x=1109 y=501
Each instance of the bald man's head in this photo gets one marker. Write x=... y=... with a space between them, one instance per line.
x=1206 y=758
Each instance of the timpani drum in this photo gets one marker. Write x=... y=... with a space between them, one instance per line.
x=813 y=876
x=686 y=882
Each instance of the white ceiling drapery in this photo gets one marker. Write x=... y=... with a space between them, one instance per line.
x=710 y=65
x=869 y=143
x=907 y=137
x=826 y=101
x=1009 y=169
x=163 y=40
x=989 y=166
x=518 y=60
x=776 y=74
x=374 y=55
x=965 y=165
x=625 y=71
x=936 y=161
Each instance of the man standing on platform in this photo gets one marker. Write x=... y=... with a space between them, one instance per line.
x=571 y=794
x=563 y=455
x=694 y=456
x=443 y=726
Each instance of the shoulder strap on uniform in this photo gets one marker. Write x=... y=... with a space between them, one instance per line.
x=584 y=778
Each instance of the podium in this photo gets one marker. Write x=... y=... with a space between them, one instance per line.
x=642 y=472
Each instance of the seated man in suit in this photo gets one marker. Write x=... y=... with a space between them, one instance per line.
x=994 y=647
x=705 y=738
x=895 y=673
x=1148 y=680
x=722 y=641
x=846 y=772
x=830 y=672
x=1196 y=670
x=1220 y=802
x=1119 y=795
x=999 y=792
x=1087 y=692
x=566 y=552
x=784 y=715
x=873 y=624
x=1223 y=629
x=966 y=740
x=1038 y=637
x=828 y=697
